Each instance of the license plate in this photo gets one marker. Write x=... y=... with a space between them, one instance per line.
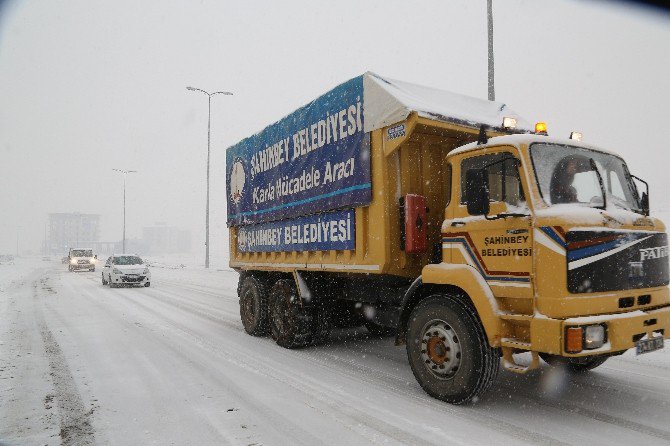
x=649 y=345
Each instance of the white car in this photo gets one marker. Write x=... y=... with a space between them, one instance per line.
x=125 y=269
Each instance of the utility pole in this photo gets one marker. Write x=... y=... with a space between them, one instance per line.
x=209 y=116
x=492 y=93
x=125 y=173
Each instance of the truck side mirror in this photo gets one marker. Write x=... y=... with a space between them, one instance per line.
x=644 y=202
x=644 y=199
x=477 y=191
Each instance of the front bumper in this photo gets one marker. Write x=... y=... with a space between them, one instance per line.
x=130 y=279
x=82 y=265
x=623 y=331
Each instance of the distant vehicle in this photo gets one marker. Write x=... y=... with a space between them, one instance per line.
x=125 y=269
x=6 y=259
x=80 y=258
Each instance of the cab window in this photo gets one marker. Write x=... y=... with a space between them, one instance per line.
x=504 y=182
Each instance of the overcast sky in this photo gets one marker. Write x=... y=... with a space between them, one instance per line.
x=87 y=86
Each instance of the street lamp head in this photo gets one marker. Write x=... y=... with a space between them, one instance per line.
x=222 y=92
x=191 y=88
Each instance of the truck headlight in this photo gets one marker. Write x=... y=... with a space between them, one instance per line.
x=594 y=336
x=73 y=261
x=587 y=337
x=91 y=261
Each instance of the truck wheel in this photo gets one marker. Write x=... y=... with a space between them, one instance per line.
x=575 y=365
x=448 y=350
x=104 y=282
x=290 y=320
x=254 y=306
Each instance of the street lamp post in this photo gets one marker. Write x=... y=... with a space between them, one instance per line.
x=125 y=173
x=489 y=10
x=209 y=117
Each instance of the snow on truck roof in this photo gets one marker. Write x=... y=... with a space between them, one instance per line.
x=529 y=139
x=388 y=101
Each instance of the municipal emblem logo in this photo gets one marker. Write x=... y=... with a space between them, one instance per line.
x=237 y=181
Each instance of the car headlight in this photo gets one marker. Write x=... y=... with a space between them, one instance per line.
x=73 y=261
x=116 y=271
x=91 y=261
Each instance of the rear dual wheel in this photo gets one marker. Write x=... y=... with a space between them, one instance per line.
x=281 y=312
x=448 y=350
x=254 y=306
x=290 y=318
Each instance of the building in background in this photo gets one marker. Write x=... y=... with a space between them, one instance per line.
x=164 y=239
x=72 y=230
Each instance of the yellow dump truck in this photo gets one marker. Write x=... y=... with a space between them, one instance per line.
x=451 y=222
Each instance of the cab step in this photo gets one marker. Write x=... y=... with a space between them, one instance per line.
x=509 y=347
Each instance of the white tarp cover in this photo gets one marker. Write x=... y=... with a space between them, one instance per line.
x=388 y=101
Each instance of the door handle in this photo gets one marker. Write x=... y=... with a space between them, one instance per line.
x=517 y=231
x=457 y=223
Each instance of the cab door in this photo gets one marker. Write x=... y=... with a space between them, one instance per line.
x=499 y=244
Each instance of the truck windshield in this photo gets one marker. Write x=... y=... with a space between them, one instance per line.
x=127 y=260
x=565 y=175
x=82 y=253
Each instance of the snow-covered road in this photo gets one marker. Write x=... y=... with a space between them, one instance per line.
x=84 y=364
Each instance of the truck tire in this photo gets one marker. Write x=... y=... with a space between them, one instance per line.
x=254 y=306
x=290 y=319
x=574 y=365
x=448 y=350
x=102 y=275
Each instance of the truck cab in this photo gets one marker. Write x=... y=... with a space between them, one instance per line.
x=560 y=234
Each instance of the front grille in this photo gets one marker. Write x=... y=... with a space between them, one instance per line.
x=133 y=279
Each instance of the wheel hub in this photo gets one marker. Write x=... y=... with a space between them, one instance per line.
x=440 y=349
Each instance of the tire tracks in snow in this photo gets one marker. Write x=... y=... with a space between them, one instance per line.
x=554 y=405
x=250 y=363
x=75 y=418
x=390 y=383
x=283 y=424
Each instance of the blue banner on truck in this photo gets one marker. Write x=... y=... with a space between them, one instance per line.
x=315 y=159
x=321 y=232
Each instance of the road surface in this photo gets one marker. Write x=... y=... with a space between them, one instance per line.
x=83 y=364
